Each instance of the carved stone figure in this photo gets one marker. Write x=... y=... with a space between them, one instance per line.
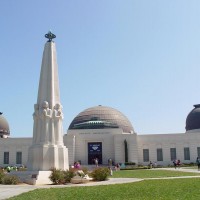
x=58 y=128
x=36 y=121
x=46 y=125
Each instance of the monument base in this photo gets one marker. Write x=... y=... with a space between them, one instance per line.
x=33 y=177
x=45 y=157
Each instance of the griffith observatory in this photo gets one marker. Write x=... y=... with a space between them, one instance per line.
x=100 y=132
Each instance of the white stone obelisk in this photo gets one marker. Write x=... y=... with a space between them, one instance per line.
x=48 y=150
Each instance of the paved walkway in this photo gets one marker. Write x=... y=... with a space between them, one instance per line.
x=7 y=191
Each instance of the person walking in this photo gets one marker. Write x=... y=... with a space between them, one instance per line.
x=96 y=162
x=178 y=163
x=110 y=162
x=150 y=165
x=111 y=171
x=175 y=163
x=198 y=163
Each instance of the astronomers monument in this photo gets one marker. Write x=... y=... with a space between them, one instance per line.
x=47 y=150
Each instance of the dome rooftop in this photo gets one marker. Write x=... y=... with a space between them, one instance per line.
x=100 y=117
x=193 y=119
x=4 y=127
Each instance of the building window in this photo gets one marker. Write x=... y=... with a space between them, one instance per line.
x=146 y=155
x=198 y=152
x=186 y=153
x=159 y=155
x=6 y=158
x=173 y=153
x=19 y=158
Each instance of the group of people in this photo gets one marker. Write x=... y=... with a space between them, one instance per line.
x=176 y=163
x=152 y=165
x=117 y=167
x=110 y=166
x=11 y=168
x=111 y=163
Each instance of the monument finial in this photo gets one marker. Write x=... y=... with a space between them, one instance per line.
x=50 y=36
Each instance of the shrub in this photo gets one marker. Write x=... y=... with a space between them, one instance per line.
x=57 y=176
x=100 y=174
x=1 y=176
x=22 y=169
x=188 y=164
x=10 y=180
x=61 y=177
x=68 y=175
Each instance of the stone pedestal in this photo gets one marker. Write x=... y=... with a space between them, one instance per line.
x=45 y=157
x=33 y=177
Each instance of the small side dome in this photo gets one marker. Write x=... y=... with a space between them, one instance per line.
x=100 y=117
x=4 y=127
x=193 y=119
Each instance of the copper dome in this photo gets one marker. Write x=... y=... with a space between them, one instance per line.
x=99 y=117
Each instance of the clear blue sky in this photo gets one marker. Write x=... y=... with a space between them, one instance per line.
x=141 y=57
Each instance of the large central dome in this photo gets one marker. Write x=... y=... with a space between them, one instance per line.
x=99 y=117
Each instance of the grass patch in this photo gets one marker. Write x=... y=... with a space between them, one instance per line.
x=190 y=167
x=150 y=174
x=144 y=190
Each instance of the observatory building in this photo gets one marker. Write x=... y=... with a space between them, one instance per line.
x=103 y=132
x=98 y=132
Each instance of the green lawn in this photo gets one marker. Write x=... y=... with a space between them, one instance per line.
x=150 y=173
x=191 y=167
x=173 y=189
x=148 y=189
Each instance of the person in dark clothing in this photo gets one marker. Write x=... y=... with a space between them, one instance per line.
x=198 y=163
x=175 y=163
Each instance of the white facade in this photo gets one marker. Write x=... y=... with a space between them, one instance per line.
x=9 y=148
x=186 y=146
x=111 y=141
